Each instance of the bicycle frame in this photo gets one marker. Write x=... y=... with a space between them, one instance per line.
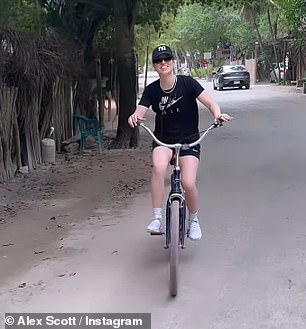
x=176 y=193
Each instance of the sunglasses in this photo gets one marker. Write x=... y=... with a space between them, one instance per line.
x=165 y=59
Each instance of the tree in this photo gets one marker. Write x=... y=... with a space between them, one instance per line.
x=275 y=11
x=295 y=14
x=206 y=33
x=124 y=18
x=126 y=14
x=22 y=16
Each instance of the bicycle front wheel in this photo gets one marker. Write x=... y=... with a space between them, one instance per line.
x=174 y=246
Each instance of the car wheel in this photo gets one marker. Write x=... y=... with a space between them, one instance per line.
x=214 y=86
x=247 y=86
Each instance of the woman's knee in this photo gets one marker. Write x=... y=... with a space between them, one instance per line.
x=160 y=160
x=159 y=170
x=189 y=184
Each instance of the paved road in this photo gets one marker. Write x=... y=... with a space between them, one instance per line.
x=248 y=272
x=253 y=184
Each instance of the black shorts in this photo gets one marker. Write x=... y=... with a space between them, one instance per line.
x=195 y=151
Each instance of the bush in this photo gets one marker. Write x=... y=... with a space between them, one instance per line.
x=198 y=72
x=193 y=73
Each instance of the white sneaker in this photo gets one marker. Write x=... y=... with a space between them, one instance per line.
x=154 y=226
x=195 y=232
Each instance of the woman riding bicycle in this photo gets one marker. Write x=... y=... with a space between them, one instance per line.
x=173 y=98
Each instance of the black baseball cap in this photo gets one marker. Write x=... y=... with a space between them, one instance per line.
x=161 y=50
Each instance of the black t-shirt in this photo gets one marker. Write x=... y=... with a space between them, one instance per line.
x=177 y=116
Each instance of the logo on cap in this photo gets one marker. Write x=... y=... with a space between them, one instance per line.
x=162 y=48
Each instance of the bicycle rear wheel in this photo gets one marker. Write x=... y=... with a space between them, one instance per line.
x=174 y=246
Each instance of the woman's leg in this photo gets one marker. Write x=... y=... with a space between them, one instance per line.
x=161 y=157
x=189 y=168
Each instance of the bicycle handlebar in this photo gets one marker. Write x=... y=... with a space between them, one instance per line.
x=180 y=145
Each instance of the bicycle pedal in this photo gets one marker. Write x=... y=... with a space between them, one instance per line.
x=156 y=233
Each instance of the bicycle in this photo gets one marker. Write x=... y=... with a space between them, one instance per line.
x=176 y=207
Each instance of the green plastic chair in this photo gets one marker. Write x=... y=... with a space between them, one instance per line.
x=89 y=127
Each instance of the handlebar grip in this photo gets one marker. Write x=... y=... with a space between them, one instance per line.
x=219 y=124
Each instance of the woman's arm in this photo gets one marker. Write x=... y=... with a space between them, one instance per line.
x=213 y=107
x=138 y=116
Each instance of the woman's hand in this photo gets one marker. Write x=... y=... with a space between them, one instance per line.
x=223 y=117
x=134 y=120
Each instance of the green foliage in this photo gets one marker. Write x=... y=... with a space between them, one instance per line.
x=199 y=72
x=295 y=14
x=78 y=20
x=22 y=16
x=200 y=33
x=193 y=73
x=151 y=12
x=221 y=4
x=206 y=30
x=240 y=35
x=103 y=37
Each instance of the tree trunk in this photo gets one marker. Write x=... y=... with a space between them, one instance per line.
x=31 y=127
x=99 y=91
x=262 y=49
x=8 y=162
x=16 y=142
x=62 y=116
x=124 y=12
x=273 y=38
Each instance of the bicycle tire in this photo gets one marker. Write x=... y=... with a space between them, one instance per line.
x=174 y=247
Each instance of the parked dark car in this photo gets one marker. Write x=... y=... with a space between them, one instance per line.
x=231 y=76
